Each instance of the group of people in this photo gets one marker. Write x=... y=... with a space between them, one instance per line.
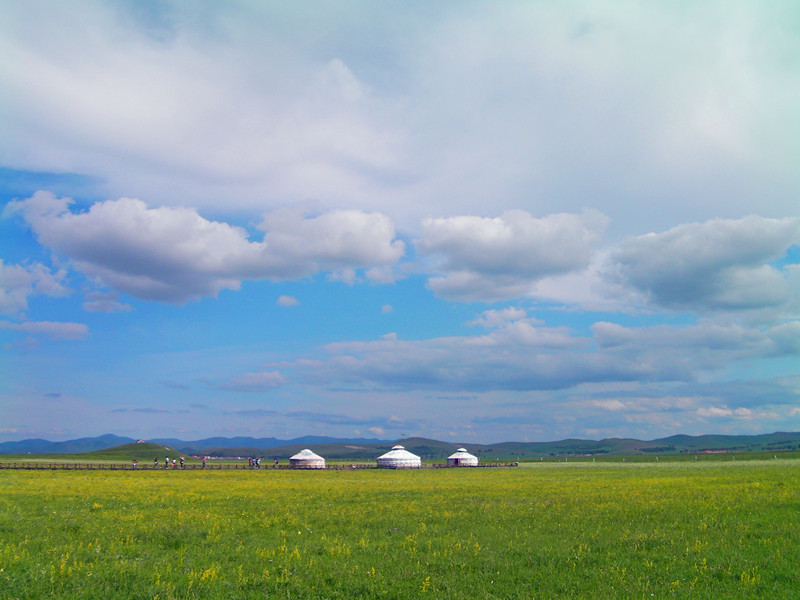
x=174 y=462
x=255 y=463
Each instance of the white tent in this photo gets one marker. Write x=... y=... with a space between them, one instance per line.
x=399 y=458
x=462 y=458
x=306 y=459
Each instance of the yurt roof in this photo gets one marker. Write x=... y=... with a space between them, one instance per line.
x=306 y=454
x=462 y=453
x=398 y=452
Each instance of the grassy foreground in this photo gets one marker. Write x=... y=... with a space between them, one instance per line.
x=710 y=530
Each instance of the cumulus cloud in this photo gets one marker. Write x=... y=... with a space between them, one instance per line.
x=706 y=335
x=609 y=404
x=496 y=318
x=480 y=363
x=54 y=330
x=716 y=265
x=20 y=282
x=333 y=241
x=520 y=353
x=724 y=412
x=636 y=407
x=516 y=354
x=503 y=257
x=175 y=255
x=706 y=347
x=287 y=301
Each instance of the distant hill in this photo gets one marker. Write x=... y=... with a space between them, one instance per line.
x=434 y=449
x=142 y=452
x=127 y=452
x=360 y=448
x=216 y=446
x=38 y=446
x=221 y=446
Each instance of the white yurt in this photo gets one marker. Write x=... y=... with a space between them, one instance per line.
x=462 y=458
x=306 y=459
x=399 y=458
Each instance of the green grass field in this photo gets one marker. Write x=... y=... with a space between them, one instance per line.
x=710 y=530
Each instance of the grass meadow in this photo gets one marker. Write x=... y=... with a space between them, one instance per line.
x=569 y=530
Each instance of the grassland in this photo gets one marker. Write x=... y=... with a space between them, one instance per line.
x=694 y=530
x=144 y=453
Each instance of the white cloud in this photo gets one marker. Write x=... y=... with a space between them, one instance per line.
x=20 y=282
x=410 y=112
x=717 y=265
x=175 y=255
x=496 y=318
x=336 y=240
x=715 y=412
x=287 y=301
x=517 y=355
x=657 y=408
x=706 y=347
x=504 y=257
x=190 y=103
x=520 y=353
x=610 y=404
x=56 y=331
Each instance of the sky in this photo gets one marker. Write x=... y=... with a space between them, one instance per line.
x=468 y=221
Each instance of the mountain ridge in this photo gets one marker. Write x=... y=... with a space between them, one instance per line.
x=352 y=448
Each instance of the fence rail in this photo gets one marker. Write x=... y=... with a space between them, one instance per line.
x=65 y=466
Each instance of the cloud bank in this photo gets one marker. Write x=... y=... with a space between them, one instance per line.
x=643 y=110
x=573 y=217
x=175 y=255
x=717 y=265
x=501 y=258
x=521 y=354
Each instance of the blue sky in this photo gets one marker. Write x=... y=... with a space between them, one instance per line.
x=475 y=222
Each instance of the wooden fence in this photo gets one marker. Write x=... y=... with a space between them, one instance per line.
x=64 y=466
